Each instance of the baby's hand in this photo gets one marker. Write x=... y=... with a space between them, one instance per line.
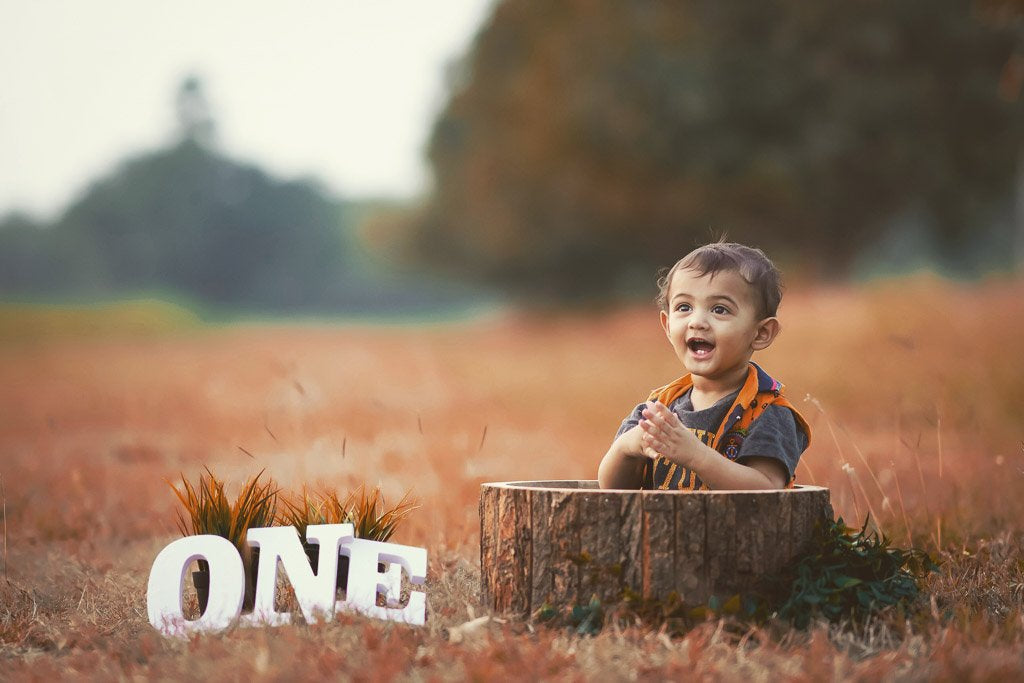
x=663 y=434
x=632 y=444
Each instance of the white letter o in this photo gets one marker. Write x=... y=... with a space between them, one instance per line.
x=227 y=585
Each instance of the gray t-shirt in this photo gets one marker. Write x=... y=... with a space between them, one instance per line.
x=772 y=435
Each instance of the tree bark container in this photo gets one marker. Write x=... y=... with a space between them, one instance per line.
x=563 y=542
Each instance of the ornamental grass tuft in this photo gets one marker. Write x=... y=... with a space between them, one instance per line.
x=367 y=511
x=207 y=509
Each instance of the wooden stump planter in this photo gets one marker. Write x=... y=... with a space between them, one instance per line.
x=561 y=542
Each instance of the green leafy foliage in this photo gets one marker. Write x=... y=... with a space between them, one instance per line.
x=850 y=574
x=846 y=574
x=587 y=619
x=584 y=620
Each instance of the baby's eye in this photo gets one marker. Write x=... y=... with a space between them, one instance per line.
x=684 y=307
x=719 y=309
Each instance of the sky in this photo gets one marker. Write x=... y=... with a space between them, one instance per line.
x=342 y=90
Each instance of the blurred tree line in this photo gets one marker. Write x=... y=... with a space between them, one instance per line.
x=188 y=221
x=587 y=142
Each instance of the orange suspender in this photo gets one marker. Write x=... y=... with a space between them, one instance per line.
x=758 y=392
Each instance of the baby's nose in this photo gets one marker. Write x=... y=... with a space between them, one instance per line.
x=698 y=321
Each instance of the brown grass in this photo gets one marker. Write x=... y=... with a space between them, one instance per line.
x=916 y=386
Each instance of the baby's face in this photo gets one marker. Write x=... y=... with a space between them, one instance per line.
x=712 y=323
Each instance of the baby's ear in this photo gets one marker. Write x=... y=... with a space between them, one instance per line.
x=767 y=330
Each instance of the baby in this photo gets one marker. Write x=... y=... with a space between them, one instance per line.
x=726 y=424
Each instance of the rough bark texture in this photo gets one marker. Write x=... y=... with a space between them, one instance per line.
x=562 y=542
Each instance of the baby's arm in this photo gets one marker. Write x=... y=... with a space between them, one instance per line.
x=622 y=467
x=662 y=432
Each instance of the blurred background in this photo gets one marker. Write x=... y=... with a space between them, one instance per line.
x=398 y=157
x=415 y=244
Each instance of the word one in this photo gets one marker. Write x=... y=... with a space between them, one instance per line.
x=314 y=592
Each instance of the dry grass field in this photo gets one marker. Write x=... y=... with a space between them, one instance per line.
x=914 y=388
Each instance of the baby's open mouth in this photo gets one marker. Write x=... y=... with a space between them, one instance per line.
x=700 y=347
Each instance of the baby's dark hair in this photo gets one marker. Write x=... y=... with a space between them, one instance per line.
x=751 y=264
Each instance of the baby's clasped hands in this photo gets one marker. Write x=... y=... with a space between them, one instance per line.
x=665 y=435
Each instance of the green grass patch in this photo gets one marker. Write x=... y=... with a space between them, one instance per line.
x=21 y=323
